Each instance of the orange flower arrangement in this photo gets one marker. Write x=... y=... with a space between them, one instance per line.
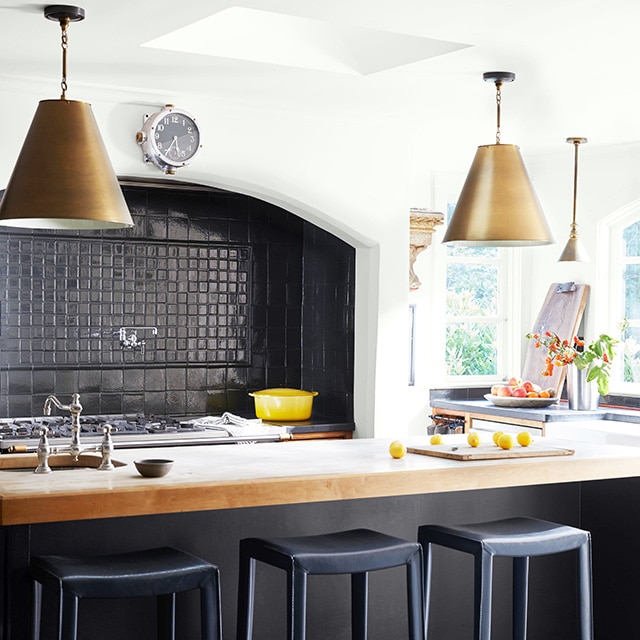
x=596 y=357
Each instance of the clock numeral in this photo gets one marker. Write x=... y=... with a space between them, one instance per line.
x=160 y=127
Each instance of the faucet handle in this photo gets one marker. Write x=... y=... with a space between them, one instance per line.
x=43 y=451
x=106 y=448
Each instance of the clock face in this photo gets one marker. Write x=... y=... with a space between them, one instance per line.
x=176 y=137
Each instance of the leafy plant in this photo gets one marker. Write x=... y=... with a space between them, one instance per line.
x=596 y=357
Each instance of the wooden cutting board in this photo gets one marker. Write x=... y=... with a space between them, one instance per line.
x=488 y=451
x=561 y=313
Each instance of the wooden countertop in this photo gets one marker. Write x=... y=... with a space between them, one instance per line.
x=233 y=476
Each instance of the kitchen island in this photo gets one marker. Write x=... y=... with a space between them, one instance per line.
x=216 y=495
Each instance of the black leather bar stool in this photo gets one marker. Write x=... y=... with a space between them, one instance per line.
x=518 y=538
x=159 y=572
x=356 y=552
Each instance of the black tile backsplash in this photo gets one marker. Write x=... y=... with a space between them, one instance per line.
x=244 y=295
x=195 y=296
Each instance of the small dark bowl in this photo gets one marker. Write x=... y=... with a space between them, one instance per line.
x=153 y=468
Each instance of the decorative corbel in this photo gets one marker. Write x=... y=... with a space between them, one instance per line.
x=421 y=227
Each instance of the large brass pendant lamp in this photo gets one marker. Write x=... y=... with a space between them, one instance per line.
x=574 y=250
x=497 y=205
x=63 y=178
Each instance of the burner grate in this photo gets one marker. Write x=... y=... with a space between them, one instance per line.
x=60 y=426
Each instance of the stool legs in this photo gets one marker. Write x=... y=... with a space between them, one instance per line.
x=297 y=596
x=69 y=622
x=481 y=541
x=359 y=602
x=482 y=595
x=520 y=597
x=297 y=622
x=36 y=599
x=246 y=594
x=415 y=598
x=210 y=614
x=585 y=593
x=166 y=616
x=211 y=620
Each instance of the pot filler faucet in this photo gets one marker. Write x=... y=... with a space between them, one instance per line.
x=74 y=449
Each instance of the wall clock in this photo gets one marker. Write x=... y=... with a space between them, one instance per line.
x=170 y=138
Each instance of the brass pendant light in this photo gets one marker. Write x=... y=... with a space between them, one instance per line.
x=497 y=205
x=63 y=178
x=574 y=250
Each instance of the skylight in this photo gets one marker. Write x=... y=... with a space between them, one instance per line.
x=275 y=38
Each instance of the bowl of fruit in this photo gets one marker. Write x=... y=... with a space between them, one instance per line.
x=521 y=394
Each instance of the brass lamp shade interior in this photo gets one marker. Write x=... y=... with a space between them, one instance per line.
x=63 y=178
x=498 y=205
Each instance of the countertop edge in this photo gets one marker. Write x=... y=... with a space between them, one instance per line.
x=96 y=494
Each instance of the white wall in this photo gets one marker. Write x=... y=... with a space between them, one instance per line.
x=348 y=176
x=357 y=179
x=608 y=180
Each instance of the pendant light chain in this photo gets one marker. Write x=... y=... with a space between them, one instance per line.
x=576 y=144
x=64 y=24
x=498 y=104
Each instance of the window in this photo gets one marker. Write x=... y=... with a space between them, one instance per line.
x=621 y=279
x=472 y=311
x=467 y=319
x=477 y=330
x=630 y=323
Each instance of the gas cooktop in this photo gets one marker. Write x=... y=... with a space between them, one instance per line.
x=134 y=431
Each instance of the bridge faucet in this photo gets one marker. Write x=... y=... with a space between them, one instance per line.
x=45 y=450
x=75 y=408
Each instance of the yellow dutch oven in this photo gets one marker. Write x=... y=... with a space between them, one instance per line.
x=283 y=404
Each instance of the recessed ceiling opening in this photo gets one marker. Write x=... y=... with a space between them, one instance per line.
x=275 y=38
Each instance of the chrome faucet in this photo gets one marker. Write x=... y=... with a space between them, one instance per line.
x=75 y=408
x=44 y=451
x=129 y=337
x=74 y=449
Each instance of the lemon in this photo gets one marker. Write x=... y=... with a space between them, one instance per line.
x=397 y=449
x=436 y=439
x=505 y=441
x=524 y=438
x=496 y=436
x=473 y=439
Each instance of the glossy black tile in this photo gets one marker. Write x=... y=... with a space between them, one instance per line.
x=243 y=295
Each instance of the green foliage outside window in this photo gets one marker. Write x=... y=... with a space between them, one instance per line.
x=472 y=296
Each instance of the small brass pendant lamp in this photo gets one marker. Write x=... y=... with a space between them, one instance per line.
x=497 y=205
x=574 y=250
x=63 y=178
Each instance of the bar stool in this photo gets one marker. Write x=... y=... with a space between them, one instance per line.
x=356 y=552
x=159 y=572
x=518 y=538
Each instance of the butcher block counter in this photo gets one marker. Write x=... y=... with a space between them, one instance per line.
x=217 y=495
x=239 y=476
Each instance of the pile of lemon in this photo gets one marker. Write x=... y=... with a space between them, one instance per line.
x=397 y=448
x=501 y=439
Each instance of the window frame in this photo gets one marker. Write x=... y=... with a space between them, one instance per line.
x=610 y=263
x=430 y=338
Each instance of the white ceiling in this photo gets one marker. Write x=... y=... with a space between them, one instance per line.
x=417 y=61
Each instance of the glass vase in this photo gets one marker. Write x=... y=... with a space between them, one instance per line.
x=582 y=395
